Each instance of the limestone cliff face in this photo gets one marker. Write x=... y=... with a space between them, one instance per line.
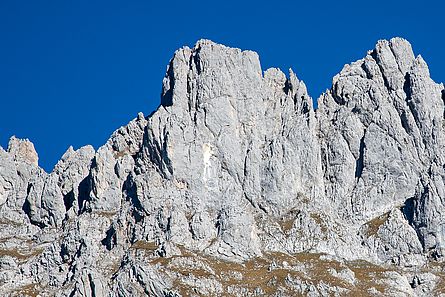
x=236 y=186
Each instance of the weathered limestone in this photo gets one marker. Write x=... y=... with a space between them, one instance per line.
x=235 y=185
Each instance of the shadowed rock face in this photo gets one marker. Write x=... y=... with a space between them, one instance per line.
x=236 y=186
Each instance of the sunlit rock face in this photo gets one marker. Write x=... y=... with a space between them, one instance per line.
x=235 y=185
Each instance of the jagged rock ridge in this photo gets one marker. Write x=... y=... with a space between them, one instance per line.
x=236 y=186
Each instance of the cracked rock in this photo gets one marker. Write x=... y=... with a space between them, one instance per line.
x=235 y=185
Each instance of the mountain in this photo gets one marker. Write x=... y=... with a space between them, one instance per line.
x=236 y=186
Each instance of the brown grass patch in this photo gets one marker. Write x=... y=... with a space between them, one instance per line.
x=20 y=255
x=27 y=290
x=372 y=227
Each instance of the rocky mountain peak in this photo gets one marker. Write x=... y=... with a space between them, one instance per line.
x=23 y=150
x=235 y=185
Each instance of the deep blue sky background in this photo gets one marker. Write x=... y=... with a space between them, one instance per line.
x=71 y=72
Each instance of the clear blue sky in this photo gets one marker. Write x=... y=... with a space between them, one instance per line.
x=71 y=72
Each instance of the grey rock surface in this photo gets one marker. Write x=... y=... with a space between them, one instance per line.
x=235 y=185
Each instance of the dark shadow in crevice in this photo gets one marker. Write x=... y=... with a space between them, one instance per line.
x=26 y=207
x=339 y=100
x=408 y=210
x=155 y=152
x=68 y=200
x=110 y=239
x=366 y=70
x=443 y=99
x=92 y=285
x=287 y=87
x=167 y=95
x=84 y=194
x=195 y=60
x=404 y=122
x=359 y=162
x=129 y=188
x=407 y=87
x=305 y=108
